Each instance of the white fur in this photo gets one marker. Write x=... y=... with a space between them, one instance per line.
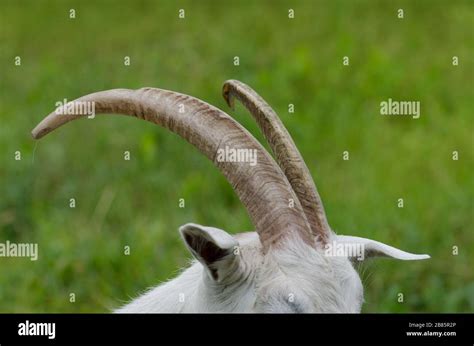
x=297 y=278
x=293 y=278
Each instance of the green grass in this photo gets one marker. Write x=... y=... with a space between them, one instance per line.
x=135 y=203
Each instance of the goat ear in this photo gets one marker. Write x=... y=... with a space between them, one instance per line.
x=213 y=247
x=367 y=248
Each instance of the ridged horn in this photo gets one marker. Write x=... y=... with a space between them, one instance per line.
x=286 y=154
x=263 y=188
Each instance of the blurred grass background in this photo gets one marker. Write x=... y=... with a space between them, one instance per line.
x=299 y=61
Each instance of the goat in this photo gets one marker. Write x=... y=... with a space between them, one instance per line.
x=290 y=264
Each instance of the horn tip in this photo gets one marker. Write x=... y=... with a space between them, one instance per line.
x=38 y=132
x=227 y=93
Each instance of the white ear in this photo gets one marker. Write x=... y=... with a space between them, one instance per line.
x=372 y=248
x=213 y=247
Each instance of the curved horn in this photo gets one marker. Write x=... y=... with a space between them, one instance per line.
x=263 y=188
x=286 y=153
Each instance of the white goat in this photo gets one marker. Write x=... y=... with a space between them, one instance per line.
x=294 y=262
